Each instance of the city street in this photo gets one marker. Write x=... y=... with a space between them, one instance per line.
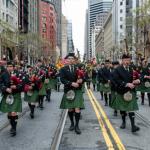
x=38 y=134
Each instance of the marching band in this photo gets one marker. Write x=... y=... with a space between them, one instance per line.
x=118 y=83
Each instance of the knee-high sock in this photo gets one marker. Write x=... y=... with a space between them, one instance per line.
x=77 y=118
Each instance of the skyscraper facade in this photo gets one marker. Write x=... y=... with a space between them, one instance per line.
x=95 y=7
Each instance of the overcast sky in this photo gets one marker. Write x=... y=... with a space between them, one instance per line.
x=75 y=10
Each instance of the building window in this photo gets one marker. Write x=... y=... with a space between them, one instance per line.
x=7 y=18
x=121 y=19
x=121 y=26
x=121 y=10
x=127 y=2
x=7 y=1
x=3 y=15
x=121 y=3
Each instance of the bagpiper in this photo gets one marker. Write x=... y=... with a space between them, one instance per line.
x=115 y=64
x=144 y=87
x=31 y=89
x=73 y=95
x=125 y=98
x=105 y=81
x=99 y=85
x=11 y=88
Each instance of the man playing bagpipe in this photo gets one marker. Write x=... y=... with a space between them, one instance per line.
x=11 y=87
x=105 y=81
x=99 y=85
x=31 y=89
x=145 y=81
x=73 y=95
x=115 y=64
x=94 y=75
x=125 y=98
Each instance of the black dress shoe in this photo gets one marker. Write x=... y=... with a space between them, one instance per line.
x=115 y=114
x=71 y=127
x=77 y=130
x=13 y=132
x=31 y=115
x=123 y=126
x=135 y=129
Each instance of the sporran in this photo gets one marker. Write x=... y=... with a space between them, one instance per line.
x=70 y=95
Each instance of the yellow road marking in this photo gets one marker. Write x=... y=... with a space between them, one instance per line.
x=109 y=125
x=104 y=131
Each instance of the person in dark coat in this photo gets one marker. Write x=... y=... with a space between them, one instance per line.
x=99 y=81
x=125 y=99
x=115 y=64
x=105 y=80
x=11 y=103
x=73 y=95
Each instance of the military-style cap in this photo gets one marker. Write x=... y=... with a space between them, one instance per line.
x=107 y=61
x=10 y=63
x=115 y=63
x=125 y=56
x=70 y=55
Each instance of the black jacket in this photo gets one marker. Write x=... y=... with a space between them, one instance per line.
x=121 y=77
x=67 y=77
x=104 y=75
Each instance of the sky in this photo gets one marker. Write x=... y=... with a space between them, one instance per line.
x=75 y=11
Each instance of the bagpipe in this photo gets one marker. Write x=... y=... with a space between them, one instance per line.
x=16 y=81
x=33 y=83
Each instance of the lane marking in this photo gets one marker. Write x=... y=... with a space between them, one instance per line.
x=102 y=125
x=109 y=125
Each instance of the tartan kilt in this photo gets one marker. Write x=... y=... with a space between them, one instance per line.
x=142 y=88
x=120 y=104
x=15 y=107
x=94 y=80
x=98 y=87
x=48 y=85
x=33 y=98
x=53 y=83
x=42 y=91
x=113 y=98
x=78 y=102
x=104 y=88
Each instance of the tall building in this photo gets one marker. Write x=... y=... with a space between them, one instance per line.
x=58 y=7
x=33 y=28
x=23 y=15
x=48 y=28
x=95 y=7
x=69 y=37
x=86 y=52
x=9 y=20
x=64 y=36
x=123 y=27
x=33 y=16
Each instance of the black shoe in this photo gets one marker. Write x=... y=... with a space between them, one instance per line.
x=142 y=103
x=77 y=130
x=135 y=129
x=13 y=132
x=41 y=107
x=115 y=114
x=71 y=127
x=32 y=115
x=123 y=126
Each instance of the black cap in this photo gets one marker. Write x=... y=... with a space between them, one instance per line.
x=115 y=63
x=70 y=55
x=10 y=63
x=107 y=61
x=125 y=56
